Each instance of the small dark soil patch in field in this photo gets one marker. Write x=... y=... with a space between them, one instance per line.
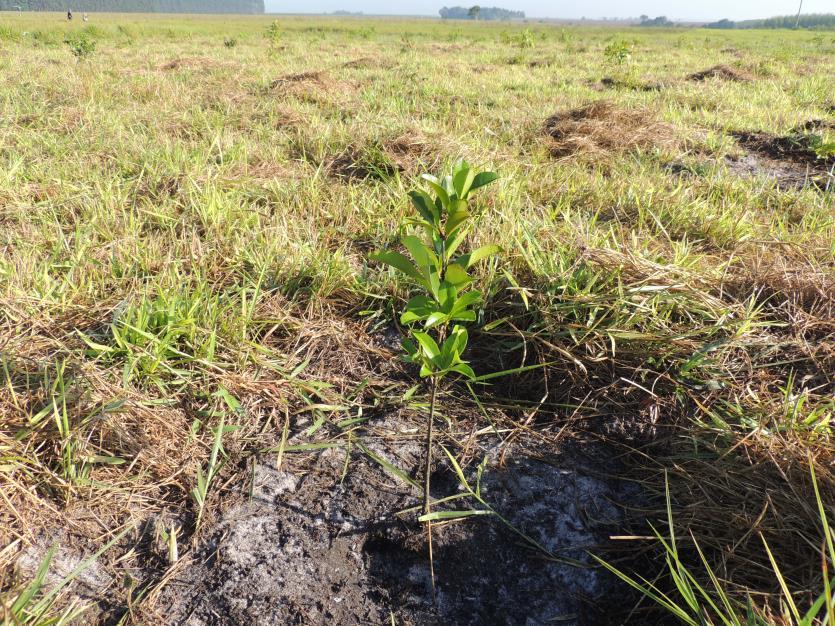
x=382 y=159
x=721 y=72
x=316 y=86
x=616 y=83
x=316 y=545
x=372 y=63
x=189 y=63
x=815 y=125
x=317 y=78
x=541 y=63
x=601 y=128
x=790 y=159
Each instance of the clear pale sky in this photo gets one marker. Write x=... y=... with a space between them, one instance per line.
x=674 y=9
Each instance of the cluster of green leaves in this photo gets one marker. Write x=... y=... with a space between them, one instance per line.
x=523 y=39
x=823 y=149
x=81 y=45
x=618 y=52
x=441 y=271
x=273 y=32
x=159 y=338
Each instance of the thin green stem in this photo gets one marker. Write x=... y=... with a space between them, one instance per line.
x=426 y=482
x=429 y=435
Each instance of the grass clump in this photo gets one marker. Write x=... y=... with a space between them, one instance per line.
x=600 y=129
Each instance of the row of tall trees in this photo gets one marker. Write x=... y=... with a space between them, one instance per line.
x=661 y=20
x=823 y=21
x=480 y=13
x=137 y=6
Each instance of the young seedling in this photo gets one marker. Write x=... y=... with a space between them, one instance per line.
x=81 y=46
x=435 y=318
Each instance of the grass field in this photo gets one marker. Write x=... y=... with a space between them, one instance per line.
x=187 y=212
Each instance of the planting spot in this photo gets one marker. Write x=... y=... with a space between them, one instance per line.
x=315 y=87
x=721 y=72
x=90 y=578
x=615 y=83
x=189 y=63
x=364 y=63
x=316 y=78
x=601 y=128
x=815 y=125
x=790 y=160
x=407 y=154
x=541 y=63
x=313 y=548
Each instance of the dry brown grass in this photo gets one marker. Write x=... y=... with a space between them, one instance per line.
x=601 y=129
x=721 y=72
x=407 y=153
x=190 y=63
x=731 y=502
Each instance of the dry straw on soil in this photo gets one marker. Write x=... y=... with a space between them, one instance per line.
x=601 y=129
x=407 y=153
x=722 y=72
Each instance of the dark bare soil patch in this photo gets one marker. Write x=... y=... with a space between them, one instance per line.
x=189 y=63
x=405 y=154
x=617 y=83
x=364 y=63
x=316 y=78
x=317 y=87
x=815 y=125
x=317 y=545
x=541 y=63
x=790 y=159
x=721 y=72
x=601 y=128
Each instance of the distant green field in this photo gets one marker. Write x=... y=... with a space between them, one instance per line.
x=188 y=205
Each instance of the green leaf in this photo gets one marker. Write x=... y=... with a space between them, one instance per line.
x=447 y=296
x=457 y=218
x=464 y=369
x=462 y=316
x=409 y=346
x=457 y=275
x=464 y=301
x=428 y=345
x=418 y=309
x=388 y=466
x=422 y=201
x=458 y=470
x=454 y=240
x=462 y=180
x=482 y=179
x=399 y=262
x=37 y=582
x=470 y=259
x=423 y=256
x=437 y=188
x=451 y=515
x=436 y=319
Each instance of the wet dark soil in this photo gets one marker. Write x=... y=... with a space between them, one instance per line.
x=317 y=543
x=721 y=72
x=790 y=160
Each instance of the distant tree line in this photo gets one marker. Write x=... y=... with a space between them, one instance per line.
x=480 y=13
x=821 y=21
x=661 y=20
x=137 y=6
